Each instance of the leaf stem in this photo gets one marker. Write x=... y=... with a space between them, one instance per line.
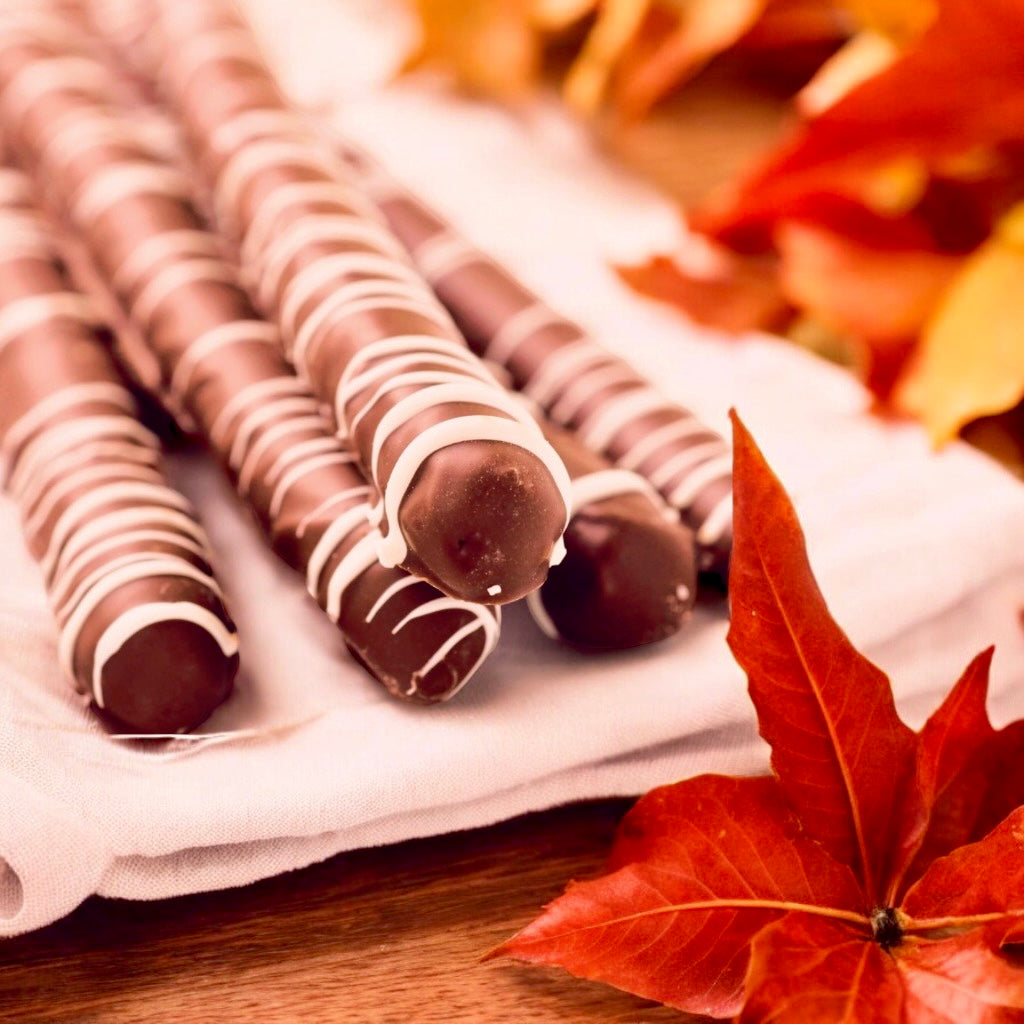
x=849 y=916
x=917 y=926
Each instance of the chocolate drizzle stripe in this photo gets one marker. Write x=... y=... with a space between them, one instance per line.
x=249 y=463
x=335 y=227
x=618 y=411
x=171 y=538
x=350 y=300
x=360 y=492
x=46 y=75
x=575 y=396
x=261 y=231
x=324 y=271
x=296 y=473
x=545 y=386
x=319 y=443
x=229 y=44
x=398 y=380
x=177 y=275
x=251 y=124
x=73 y=137
x=212 y=341
x=658 y=438
x=36 y=416
x=277 y=386
x=22 y=315
x=184 y=242
x=684 y=460
x=480 y=621
x=71 y=517
x=121 y=451
x=718 y=468
x=82 y=435
x=443 y=255
x=257 y=157
x=254 y=419
x=446 y=389
x=400 y=584
x=336 y=533
x=109 y=582
x=121 y=519
x=356 y=560
x=35 y=516
x=716 y=522
x=65 y=608
x=609 y=483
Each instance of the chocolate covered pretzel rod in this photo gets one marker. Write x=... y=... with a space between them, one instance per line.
x=629 y=576
x=578 y=383
x=143 y=629
x=149 y=249
x=471 y=495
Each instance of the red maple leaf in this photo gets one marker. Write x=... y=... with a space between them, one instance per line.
x=876 y=877
x=957 y=90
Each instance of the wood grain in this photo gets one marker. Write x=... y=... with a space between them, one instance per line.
x=382 y=936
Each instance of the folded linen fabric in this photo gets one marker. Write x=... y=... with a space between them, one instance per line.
x=920 y=555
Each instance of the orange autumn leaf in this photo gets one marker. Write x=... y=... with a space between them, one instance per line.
x=618 y=21
x=970 y=362
x=869 y=292
x=673 y=43
x=491 y=46
x=736 y=295
x=900 y=20
x=957 y=88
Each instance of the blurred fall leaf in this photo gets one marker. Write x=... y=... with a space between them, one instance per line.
x=971 y=363
x=884 y=224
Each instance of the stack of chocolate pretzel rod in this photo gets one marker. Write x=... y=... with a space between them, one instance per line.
x=628 y=567
x=222 y=362
x=143 y=628
x=629 y=578
x=202 y=49
x=472 y=497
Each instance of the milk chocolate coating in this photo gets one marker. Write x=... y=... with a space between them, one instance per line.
x=147 y=248
x=629 y=575
x=472 y=497
x=143 y=629
x=594 y=393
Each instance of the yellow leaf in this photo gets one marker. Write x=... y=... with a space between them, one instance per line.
x=491 y=46
x=617 y=23
x=556 y=15
x=857 y=60
x=900 y=20
x=970 y=361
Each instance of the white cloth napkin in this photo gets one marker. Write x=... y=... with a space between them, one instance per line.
x=921 y=557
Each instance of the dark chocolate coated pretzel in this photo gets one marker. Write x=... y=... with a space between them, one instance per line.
x=143 y=627
x=629 y=574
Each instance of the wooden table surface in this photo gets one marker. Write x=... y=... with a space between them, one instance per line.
x=392 y=935
x=381 y=936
